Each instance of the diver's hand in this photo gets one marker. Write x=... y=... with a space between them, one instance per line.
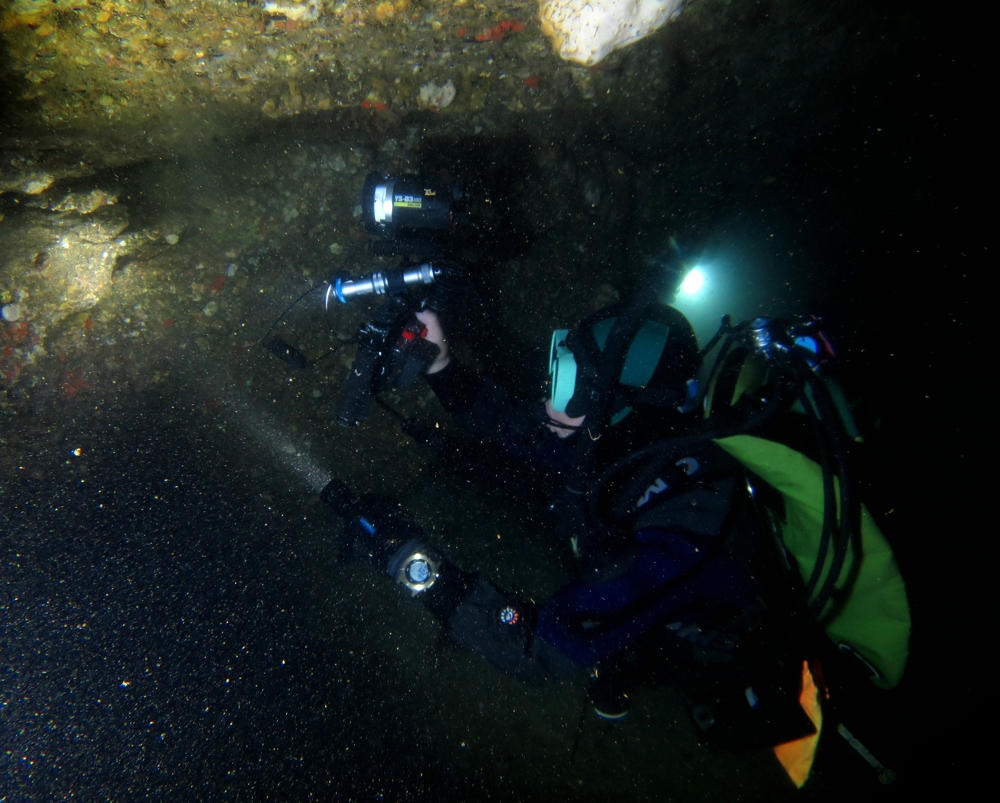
x=560 y=423
x=435 y=335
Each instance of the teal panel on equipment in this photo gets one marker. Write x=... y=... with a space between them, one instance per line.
x=644 y=353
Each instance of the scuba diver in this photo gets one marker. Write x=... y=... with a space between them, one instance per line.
x=712 y=555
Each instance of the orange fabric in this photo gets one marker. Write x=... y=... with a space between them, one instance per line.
x=797 y=756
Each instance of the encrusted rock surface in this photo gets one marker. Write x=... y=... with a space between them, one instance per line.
x=59 y=263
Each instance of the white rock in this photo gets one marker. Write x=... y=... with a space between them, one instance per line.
x=172 y=239
x=586 y=31
x=11 y=312
x=433 y=96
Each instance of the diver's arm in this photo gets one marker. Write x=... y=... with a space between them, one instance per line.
x=457 y=387
x=582 y=624
x=487 y=411
x=484 y=408
x=480 y=617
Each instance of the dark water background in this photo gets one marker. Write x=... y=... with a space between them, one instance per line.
x=177 y=627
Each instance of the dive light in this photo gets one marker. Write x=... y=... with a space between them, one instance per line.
x=381 y=283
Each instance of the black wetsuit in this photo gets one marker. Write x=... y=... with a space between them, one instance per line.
x=675 y=580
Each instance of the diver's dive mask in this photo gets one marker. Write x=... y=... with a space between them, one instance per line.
x=574 y=358
x=562 y=371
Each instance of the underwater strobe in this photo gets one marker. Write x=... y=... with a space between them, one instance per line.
x=411 y=214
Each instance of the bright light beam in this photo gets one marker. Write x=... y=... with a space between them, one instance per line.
x=693 y=282
x=261 y=428
x=270 y=436
x=703 y=295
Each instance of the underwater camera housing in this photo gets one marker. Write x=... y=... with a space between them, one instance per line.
x=408 y=216
x=412 y=215
x=392 y=352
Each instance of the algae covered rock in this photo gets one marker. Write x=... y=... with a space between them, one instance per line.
x=59 y=263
